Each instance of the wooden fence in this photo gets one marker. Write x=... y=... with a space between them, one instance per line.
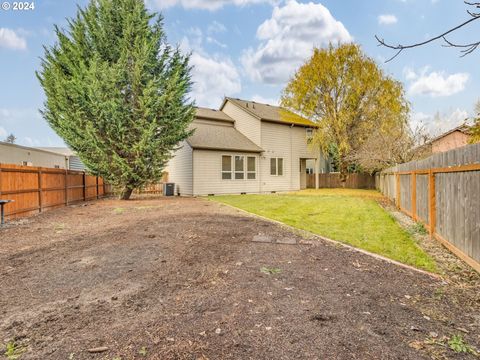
x=442 y=192
x=151 y=189
x=332 y=180
x=36 y=189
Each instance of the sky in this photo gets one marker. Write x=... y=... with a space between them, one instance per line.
x=250 y=48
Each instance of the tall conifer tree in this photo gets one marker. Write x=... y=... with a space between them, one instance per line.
x=117 y=93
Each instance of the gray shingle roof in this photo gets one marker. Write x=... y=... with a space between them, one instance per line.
x=211 y=114
x=220 y=137
x=271 y=113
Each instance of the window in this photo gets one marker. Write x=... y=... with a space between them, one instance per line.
x=226 y=167
x=276 y=166
x=309 y=133
x=251 y=168
x=273 y=166
x=239 y=167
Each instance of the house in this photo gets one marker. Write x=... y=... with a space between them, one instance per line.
x=29 y=156
x=74 y=162
x=245 y=147
x=452 y=139
x=50 y=157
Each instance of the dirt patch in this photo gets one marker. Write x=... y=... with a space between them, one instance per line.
x=188 y=279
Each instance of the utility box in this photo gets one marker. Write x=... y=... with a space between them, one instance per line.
x=169 y=189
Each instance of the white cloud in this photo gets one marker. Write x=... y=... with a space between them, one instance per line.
x=212 y=40
x=216 y=27
x=287 y=39
x=439 y=123
x=213 y=76
x=11 y=40
x=435 y=84
x=387 y=19
x=210 y=5
x=3 y=133
x=409 y=73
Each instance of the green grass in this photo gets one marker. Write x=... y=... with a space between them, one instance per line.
x=350 y=216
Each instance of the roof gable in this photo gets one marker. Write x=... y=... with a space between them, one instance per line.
x=464 y=129
x=212 y=114
x=266 y=112
x=220 y=137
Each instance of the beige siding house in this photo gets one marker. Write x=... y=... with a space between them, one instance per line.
x=452 y=139
x=243 y=148
x=27 y=156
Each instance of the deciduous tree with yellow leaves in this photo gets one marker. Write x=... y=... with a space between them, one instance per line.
x=476 y=126
x=354 y=103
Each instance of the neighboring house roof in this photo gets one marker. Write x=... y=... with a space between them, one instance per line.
x=270 y=113
x=211 y=114
x=464 y=129
x=220 y=137
x=59 y=150
x=44 y=150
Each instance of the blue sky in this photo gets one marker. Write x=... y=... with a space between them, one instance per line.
x=249 y=49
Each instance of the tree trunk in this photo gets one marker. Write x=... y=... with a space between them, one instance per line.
x=126 y=193
x=343 y=173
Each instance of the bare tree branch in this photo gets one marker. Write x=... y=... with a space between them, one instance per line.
x=467 y=48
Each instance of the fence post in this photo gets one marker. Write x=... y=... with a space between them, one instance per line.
x=40 y=192
x=398 y=190
x=431 y=202
x=98 y=195
x=66 y=187
x=84 y=186
x=0 y=181
x=414 y=195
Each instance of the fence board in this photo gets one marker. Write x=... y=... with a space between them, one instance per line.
x=447 y=197
x=332 y=180
x=36 y=189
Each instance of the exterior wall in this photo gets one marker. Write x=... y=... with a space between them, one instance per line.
x=180 y=170
x=289 y=143
x=451 y=141
x=207 y=174
x=15 y=154
x=74 y=163
x=247 y=124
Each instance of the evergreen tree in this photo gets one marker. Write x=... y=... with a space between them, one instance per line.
x=117 y=93
x=10 y=139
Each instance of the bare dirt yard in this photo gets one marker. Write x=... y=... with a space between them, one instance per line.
x=193 y=279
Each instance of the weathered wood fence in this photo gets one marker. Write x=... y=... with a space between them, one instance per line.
x=443 y=192
x=36 y=189
x=332 y=180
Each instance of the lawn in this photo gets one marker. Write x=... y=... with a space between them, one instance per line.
x=350 y=216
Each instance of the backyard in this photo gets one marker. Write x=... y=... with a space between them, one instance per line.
x=186 y=278
x=350 y=216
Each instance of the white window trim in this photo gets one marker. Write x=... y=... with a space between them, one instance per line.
x=231 y=172
x=242 y=172
x=251 y=172
x=245 y=167
x=276 y=166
